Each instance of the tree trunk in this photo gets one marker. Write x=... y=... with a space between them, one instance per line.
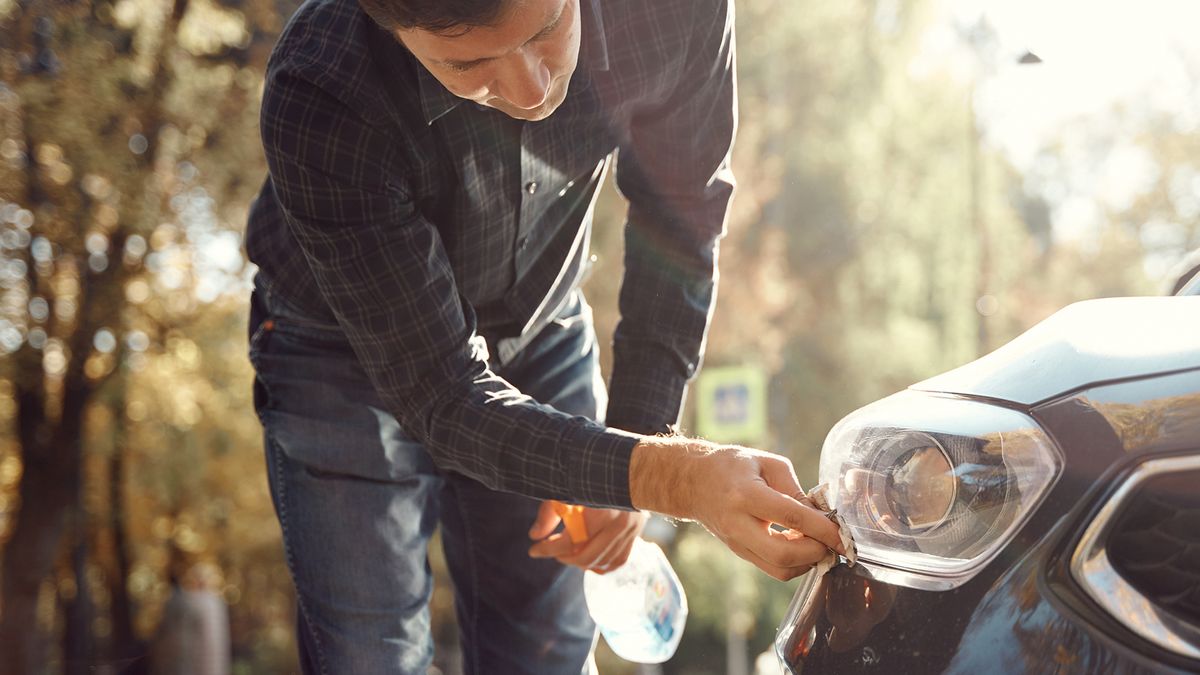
x=126 y=650
x=28 y=561
x=79 y=649
x=49 y=490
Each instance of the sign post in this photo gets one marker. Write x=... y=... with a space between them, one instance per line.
x=731 y=405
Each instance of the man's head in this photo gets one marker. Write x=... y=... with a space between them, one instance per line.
x=516 y=56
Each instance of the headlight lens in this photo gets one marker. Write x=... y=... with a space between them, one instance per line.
x=916 y=480
x=935 y=485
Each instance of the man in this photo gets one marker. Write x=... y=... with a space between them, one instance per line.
x=423 y=353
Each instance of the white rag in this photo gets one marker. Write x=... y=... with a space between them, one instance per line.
x=820 y=498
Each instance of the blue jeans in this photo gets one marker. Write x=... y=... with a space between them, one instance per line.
x=358 y=499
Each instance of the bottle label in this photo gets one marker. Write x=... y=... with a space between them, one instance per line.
x=664 y=603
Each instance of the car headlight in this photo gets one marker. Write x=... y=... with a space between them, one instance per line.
x=932 y=487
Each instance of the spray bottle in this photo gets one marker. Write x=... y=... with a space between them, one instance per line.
x=640 y=607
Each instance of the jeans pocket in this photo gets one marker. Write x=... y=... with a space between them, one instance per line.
x=258 y=339
x=292 y=323
x=259 y=330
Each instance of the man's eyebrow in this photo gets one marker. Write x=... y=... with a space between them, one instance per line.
x=466 y=64
x=546 y=30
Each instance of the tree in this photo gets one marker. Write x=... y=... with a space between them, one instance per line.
x=119 y=119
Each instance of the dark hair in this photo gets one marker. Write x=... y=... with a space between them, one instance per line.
x=435 y=16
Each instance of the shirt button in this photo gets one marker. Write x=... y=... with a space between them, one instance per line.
x=531 y=187
x=522 y=242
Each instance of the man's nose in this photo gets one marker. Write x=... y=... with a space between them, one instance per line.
x=528 y=83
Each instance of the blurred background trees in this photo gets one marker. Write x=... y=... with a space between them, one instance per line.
x=880 y=235
x=128 y=160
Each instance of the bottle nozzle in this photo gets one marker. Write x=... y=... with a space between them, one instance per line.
x=572 y=516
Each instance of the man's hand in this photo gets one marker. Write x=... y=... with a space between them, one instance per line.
x=611 y=533
x=736 y=494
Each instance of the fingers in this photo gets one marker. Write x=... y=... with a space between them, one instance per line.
x=780 y=475
x=608 y=548
x=617 y=556
x=783 y=555
x=775 y=507
x=789 y=549
x=780 y=572
x=555 y=546
x=545 y=522
x=591 y=553
x=600 y=557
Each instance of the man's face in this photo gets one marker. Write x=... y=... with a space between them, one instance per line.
x=521 y=66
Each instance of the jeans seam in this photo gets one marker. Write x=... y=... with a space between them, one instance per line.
x=472 y=658
x=287 y=550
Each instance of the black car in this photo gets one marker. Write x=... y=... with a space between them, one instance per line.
x=1035 y=511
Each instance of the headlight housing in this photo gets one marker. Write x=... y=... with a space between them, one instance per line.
x=934 y=486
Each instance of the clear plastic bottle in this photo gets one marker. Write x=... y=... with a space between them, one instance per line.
x=640 y=607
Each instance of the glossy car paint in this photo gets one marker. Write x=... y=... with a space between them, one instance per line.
x=1085 y=343
x=1024 y=612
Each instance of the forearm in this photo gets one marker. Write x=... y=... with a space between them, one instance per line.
x=661 y=476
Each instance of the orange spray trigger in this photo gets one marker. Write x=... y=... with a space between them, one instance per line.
x=572 y=516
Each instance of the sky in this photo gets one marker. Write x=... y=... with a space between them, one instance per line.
x=1095 y=55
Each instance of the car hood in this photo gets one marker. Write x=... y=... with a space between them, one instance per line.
x=1083 y=344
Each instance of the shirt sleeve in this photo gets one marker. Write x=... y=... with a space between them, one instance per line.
x=674 y=169
x=382 y=268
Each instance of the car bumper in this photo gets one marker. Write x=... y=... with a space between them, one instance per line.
x=1023 y=618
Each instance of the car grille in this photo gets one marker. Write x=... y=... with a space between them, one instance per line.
x=1154 y=543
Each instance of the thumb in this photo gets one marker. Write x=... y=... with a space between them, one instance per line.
x=780 y=476
x=545 y=522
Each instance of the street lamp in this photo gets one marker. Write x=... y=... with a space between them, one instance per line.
x=986 y=304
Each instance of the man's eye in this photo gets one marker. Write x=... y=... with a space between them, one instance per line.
x=546 y=34
x=548 y=31
x=462 y=66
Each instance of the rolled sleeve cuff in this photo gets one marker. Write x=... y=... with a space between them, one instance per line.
x=646 y=396
x=600 y=475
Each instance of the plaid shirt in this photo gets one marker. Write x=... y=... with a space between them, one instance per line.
x=441 y=235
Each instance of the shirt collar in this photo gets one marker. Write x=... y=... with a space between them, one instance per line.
x=436 y=100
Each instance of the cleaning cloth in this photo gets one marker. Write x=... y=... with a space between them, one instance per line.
x=820 y=499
